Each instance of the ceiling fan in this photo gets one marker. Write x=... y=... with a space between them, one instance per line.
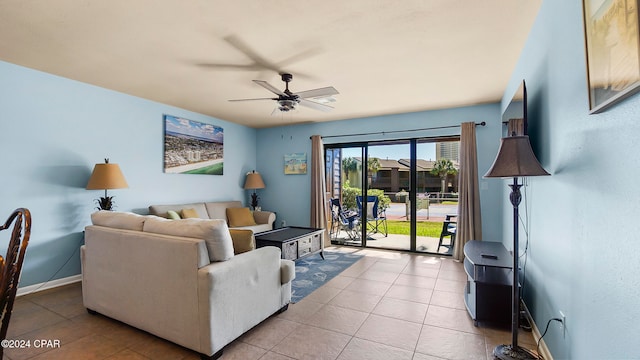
x=288 y=100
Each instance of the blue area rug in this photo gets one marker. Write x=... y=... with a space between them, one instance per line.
x=313 y=272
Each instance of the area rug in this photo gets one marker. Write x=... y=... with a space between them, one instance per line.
x=313 y=272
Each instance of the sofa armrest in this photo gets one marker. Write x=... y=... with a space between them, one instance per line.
x=236 y=294
x=287 y=271
x=264 y=217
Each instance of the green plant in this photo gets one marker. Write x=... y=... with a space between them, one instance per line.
x=383 y=200
x=349 y=197
x=105 y=203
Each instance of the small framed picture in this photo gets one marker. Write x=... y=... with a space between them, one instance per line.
x=295 y=164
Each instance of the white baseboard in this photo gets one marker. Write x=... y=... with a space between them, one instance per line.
x=544 y=350
x=48 y=285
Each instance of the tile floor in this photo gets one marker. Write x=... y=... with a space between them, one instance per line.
x=388 y=305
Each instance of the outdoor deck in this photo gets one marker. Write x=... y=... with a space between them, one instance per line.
x=397 y=211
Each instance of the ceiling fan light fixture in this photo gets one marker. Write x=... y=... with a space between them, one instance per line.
x=287 y=105
x=288 y=101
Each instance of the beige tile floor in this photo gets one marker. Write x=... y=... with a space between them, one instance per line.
x=388 y=305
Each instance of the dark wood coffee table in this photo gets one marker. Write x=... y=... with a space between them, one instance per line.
x=294 y=242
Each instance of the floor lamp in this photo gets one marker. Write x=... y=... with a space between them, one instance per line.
x=515 y=159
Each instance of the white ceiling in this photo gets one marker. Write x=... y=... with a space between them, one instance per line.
x=383 y=57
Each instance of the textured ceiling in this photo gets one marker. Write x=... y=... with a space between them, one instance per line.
x=383 y=57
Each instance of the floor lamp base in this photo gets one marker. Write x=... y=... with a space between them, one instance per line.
x=508 y=352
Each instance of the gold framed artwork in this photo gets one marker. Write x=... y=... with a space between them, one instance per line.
x=295 y=164
x=613 y=60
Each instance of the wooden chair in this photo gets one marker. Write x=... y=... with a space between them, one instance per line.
x=11 y=264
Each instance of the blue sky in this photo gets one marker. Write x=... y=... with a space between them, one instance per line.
x=194 y=128
x=394 y=152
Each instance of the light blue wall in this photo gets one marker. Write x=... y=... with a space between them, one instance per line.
x=583 y=246
x=289 y=195
x=52 y=132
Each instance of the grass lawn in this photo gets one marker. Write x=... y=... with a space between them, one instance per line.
x=215 y=169
x=425 y=228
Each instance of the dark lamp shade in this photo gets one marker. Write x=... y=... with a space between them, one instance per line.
x=515 y=159
x=254 y=181
x=107 y=176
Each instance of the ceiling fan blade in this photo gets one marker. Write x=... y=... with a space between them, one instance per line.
x=270 y=87
x=315 y=105
x=254 y=99
x=321 y=92
x=251 y=67
x=244 y=48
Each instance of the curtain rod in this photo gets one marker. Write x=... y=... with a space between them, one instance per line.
x=400 y=131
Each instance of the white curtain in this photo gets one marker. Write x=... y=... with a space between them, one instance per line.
x=469 y=219
x=318 y=186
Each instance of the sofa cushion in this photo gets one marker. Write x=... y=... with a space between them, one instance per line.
x=173 y=215
x=188 y=214
x=118 y=220
x=240 y=217
x=161 y=210
x=255 y=228
x=214 y=232
x=218 y=209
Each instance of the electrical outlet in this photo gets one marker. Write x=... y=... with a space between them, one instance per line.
x=563 y=324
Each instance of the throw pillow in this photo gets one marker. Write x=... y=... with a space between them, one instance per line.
x=173 y=215
x=240 y=217
x=189 y=213
x=243 y=240
x=218 y=240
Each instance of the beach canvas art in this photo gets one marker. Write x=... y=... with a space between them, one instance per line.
x=295 y=164
x=192 y=147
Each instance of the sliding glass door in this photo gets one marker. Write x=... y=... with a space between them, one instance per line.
x=388 y=220
x=393 y=194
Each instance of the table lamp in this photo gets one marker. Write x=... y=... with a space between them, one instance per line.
x=253 y=182
x=515 y=159
x=106 y=176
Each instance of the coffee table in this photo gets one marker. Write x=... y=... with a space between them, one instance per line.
x=295 y=242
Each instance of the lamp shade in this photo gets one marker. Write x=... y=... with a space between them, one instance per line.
x=515 y=159
x=107 y=176
x=254 y=181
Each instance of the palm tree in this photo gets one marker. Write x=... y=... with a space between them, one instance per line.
x=443 y=168
x=373 y=165
x=349 y=165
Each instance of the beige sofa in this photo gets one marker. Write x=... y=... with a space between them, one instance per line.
x=182 y=280
x=218 y=210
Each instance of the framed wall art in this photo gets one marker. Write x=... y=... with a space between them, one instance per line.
x=192 y=147
x=613 y=61
x=295 y=164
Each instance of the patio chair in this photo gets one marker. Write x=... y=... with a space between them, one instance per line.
x=343 y=221
x=11 y=265
x=376 y=218
x=449 y=228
